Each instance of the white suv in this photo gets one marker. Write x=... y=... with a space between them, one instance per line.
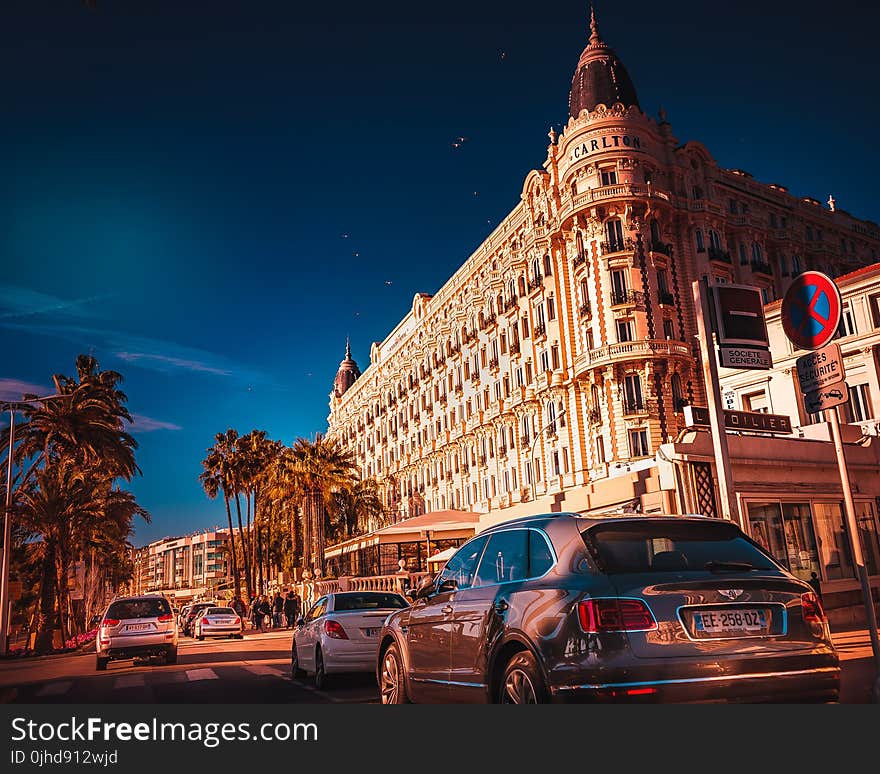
x=134 y=627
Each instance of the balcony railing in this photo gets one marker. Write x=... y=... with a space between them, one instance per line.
x=594 y=416
x=632 y=350
x=584 y=310
x=536 y=282
x=722 y=256
x=493 y=363
x=624 y=297
x=634 y=406
x=661 y=247
x=665 y=297
x=540 y=330
x=762 y=267
x=514 y=347
x=579 y=259
x=617 y=246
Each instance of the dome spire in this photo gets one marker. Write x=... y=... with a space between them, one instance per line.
x=347 y=348
x=595 y=40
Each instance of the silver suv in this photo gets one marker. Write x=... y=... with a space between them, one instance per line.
x=134 y=627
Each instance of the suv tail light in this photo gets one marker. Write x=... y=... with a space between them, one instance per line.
x=615 y=615
x=110 y=622
x=812 y=608
x=165 y=618
x=334 y=629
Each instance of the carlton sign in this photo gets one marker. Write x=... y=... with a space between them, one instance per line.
x=605 y=142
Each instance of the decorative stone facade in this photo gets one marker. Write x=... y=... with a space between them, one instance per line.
x=561 y=352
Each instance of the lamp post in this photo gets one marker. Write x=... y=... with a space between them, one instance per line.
x=537 y=437
x=11 y=407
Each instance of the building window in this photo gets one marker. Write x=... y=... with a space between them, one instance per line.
x=580 y=246
x=547 y=266
x=585 y=295
x=847 y=325
x=545 y=361
x=678 y=401
x=767 y=295
x=600 y=450
x=859 y=407
x=619 y=286
x=551 y=308
x=555 y=460
x=632 y=394
x=663 y=283
x=624 y=331
x=756 y=402
x=668 y=328
x=554 y=357
x=655 y=231
x=795 y=265
x=698 y=235
x=614 y=235
x=638 y=443
x=714 y=240
x=743 y=255
x=609 y=177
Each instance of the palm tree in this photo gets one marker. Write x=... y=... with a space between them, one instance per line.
x=355 y=509
x=215 y=479
x=324 y=467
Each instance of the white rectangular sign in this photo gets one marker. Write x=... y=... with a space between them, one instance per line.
x=745 y=357
x=820 y=368
x=827 y=397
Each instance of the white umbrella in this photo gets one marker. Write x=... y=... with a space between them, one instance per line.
x=442 y=557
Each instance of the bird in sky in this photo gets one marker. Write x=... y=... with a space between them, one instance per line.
x=388 y=282
x=355 y=253
x=503 y=55
x=456 y=144
x=476 y=193
x=344 y=236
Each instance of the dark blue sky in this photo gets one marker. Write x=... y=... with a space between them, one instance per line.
x=175 y=181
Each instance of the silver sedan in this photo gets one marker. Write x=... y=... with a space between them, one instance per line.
x=340 y=633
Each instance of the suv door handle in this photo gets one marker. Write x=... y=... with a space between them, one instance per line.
x=501 y=606
x=447 y=610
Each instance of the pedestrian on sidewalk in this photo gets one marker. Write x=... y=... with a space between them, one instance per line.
x=255 y=613
x=277 y=610
x=264 y=610
x=291 y=608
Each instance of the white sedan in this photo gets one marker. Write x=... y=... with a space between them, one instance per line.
x=218 y=622
x=340 y=633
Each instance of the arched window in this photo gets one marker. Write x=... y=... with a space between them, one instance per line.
x=522 y=285
x=499 y=303
x=536 y=269
x=757 y=253
x=548 y=269
x=614 y=235
x=579 y=241
x=594 y=398
x=525 y=427
x=698 y=235
x=551 y=417
x=585 y=292
x=795 y=265
x=714 y=240
x=511 y=290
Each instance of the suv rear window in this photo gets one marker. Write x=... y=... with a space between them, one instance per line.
x=138 y=608
x=368 y=601
x=220 y=611
x=667 y=545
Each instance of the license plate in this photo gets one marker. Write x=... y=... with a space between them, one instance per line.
x=722 y=623
x=138 y=627
x=371 y=632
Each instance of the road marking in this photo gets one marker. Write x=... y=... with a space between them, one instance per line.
x=164 y=678
x=55 y=689
x=201 y=674
x=129 y=681
x=257 y=669
x=312 y=689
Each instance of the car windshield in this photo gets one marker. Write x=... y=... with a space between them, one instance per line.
x=220 y=611
x=369 y=600
x=668 y=545
x=138 y=608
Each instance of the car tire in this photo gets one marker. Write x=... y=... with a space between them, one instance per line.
x=392 y=683
x=171 y=656
x=522 y=682
x=295 y=670
x=322 y=679
x=101 y=663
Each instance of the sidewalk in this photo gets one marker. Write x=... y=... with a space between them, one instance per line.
x=857 y=673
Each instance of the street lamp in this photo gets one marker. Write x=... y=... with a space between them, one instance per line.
x=537 y=437
x=11 y=407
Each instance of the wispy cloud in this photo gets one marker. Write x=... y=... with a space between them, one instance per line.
x=144 y=352
x=17 y=302
x=144 y=424
x=167 y=363
x=13 y=389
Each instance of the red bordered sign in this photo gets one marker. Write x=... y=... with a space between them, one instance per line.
x=811 y=310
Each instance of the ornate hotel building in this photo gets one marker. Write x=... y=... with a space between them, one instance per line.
x=560 y=354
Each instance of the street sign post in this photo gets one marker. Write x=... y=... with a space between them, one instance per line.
x=811 y=310
x=820 y=368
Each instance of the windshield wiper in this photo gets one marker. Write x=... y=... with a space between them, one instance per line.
x=717 y=566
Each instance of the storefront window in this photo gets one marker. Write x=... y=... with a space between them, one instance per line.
x=800 y=544
x=833 y=545
x=868 y=534
x=765 y=523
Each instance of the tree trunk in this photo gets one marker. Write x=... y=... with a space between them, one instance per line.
x=46 y=614
x=236 y=581
x=314 y=519
x=244 y=556
x=251 y=542
x=294 y=536
x=259 y=531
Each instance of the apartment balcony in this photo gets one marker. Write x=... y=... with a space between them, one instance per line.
x=511 y=303
x=666 y=298
x=514 y=347
x=579 y=260
x=609 y=192
x=663 y=248
x=625 y=245
x=539 y=330
x=493 y=364
x=762 y=267
x=626 y=298
x=720 y=256
x=594 y=416
x=584 y=311
x=633 y=406
x=630 y=350
x=458 y=389
x=535 y=283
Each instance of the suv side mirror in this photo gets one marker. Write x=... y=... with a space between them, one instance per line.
x=300 y=621
x=447 y=584
x=425 y=589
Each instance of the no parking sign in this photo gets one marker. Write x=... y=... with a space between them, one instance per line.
x=811 y=310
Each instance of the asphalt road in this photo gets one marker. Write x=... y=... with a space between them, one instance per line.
x=255 y=669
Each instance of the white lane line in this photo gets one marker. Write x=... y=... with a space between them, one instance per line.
x=312 y=689
x=259 y=669
x=201 y=674
x=129 y=681
x=55 y=689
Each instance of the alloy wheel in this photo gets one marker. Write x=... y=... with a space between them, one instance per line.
x=518 y=688
x=390 y=686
